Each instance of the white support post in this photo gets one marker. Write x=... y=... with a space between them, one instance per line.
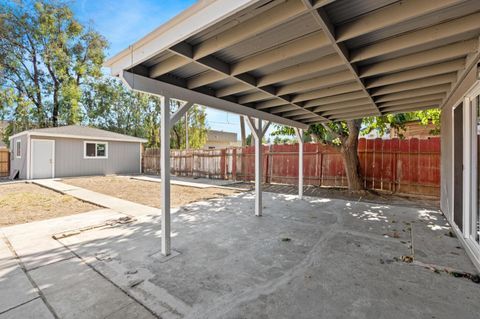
x=165 y=174
x=258 y=133
x=299 y=133
x=258 y=168
x=186 y=130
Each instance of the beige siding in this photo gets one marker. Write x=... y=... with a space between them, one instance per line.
x=123 y=158
x=19 y=163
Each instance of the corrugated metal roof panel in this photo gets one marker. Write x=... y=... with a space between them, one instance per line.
x=284 y=33
x=421 y=22
x=246 y=14
x=424 y=47
x=341 y=11
x=157 y=59
x=306 y=57
x=223 y=83
x=313 y=75
x=188 y=70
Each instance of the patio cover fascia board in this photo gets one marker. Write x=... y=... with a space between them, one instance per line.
x=151 y=86
x=196 y=18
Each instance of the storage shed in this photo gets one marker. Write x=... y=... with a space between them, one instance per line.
x=73 y=151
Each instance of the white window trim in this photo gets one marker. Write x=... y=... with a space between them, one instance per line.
x=94 y=157
x=18 y=148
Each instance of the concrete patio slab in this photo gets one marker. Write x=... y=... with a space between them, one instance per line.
x=89 y=295
x=302 y=259
x=72 y=288
x=33 y=242
x=34 y=309
x=16 y=289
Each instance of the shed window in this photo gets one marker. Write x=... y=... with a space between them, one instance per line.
x=18 y=150
x=96 y=150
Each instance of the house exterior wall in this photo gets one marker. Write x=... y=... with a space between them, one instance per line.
x=19 y=164
x=220 y=139
x=414 y=130
x=123 y=158
x=446 y=192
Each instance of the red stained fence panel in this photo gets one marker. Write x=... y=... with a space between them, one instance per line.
x=404 y=166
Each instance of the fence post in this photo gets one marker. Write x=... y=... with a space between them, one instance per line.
x=266 y=159
x=223 y=164
x=321 y=166
x=234 y=163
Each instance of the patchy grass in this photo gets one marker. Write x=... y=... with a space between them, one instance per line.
x=146 y=193
x=24 y=203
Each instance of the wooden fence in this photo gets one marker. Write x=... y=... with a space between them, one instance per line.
x=403 y=166
x=4 y=162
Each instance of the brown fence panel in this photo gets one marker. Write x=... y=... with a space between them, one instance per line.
x=4 y=162
x=403 y=166
x=151 y=161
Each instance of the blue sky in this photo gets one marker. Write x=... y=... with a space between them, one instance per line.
x=123 y=22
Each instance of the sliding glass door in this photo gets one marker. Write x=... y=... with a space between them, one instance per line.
x=458 y=144
x=465 y=169
x=474 y=218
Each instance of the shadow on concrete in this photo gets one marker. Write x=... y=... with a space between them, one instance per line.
x=302 y=259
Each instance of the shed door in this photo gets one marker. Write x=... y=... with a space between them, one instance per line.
x=43 y=157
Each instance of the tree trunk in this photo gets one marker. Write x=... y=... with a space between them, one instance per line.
x=349 y=149
x=55 y=108
x=242 y=131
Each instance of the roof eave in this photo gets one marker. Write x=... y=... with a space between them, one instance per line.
x=84 y=137
x=196 y=18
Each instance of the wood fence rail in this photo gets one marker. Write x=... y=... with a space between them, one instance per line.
x=403 y=166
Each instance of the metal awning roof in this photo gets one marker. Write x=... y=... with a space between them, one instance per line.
x=298 y=62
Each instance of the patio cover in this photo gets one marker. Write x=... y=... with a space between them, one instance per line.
x=299 y=62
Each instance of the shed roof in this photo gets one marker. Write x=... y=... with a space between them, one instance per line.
x=81 y=132
x=311 y=61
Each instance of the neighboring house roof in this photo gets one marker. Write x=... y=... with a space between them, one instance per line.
x=81 y=132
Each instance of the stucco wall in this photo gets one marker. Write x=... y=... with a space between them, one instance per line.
x=19 y=163
x=446 y=191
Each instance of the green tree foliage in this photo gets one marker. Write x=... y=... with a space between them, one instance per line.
x=110 y=105
x=50 y=75
x=250 y=140
x=197 y=128
x=397 y=121
x=45 y=58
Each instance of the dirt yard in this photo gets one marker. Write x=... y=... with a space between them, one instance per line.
x=146 y=193
x=24 y=203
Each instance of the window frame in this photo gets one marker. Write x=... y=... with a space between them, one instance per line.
x=96 y=150
x=18 y=148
